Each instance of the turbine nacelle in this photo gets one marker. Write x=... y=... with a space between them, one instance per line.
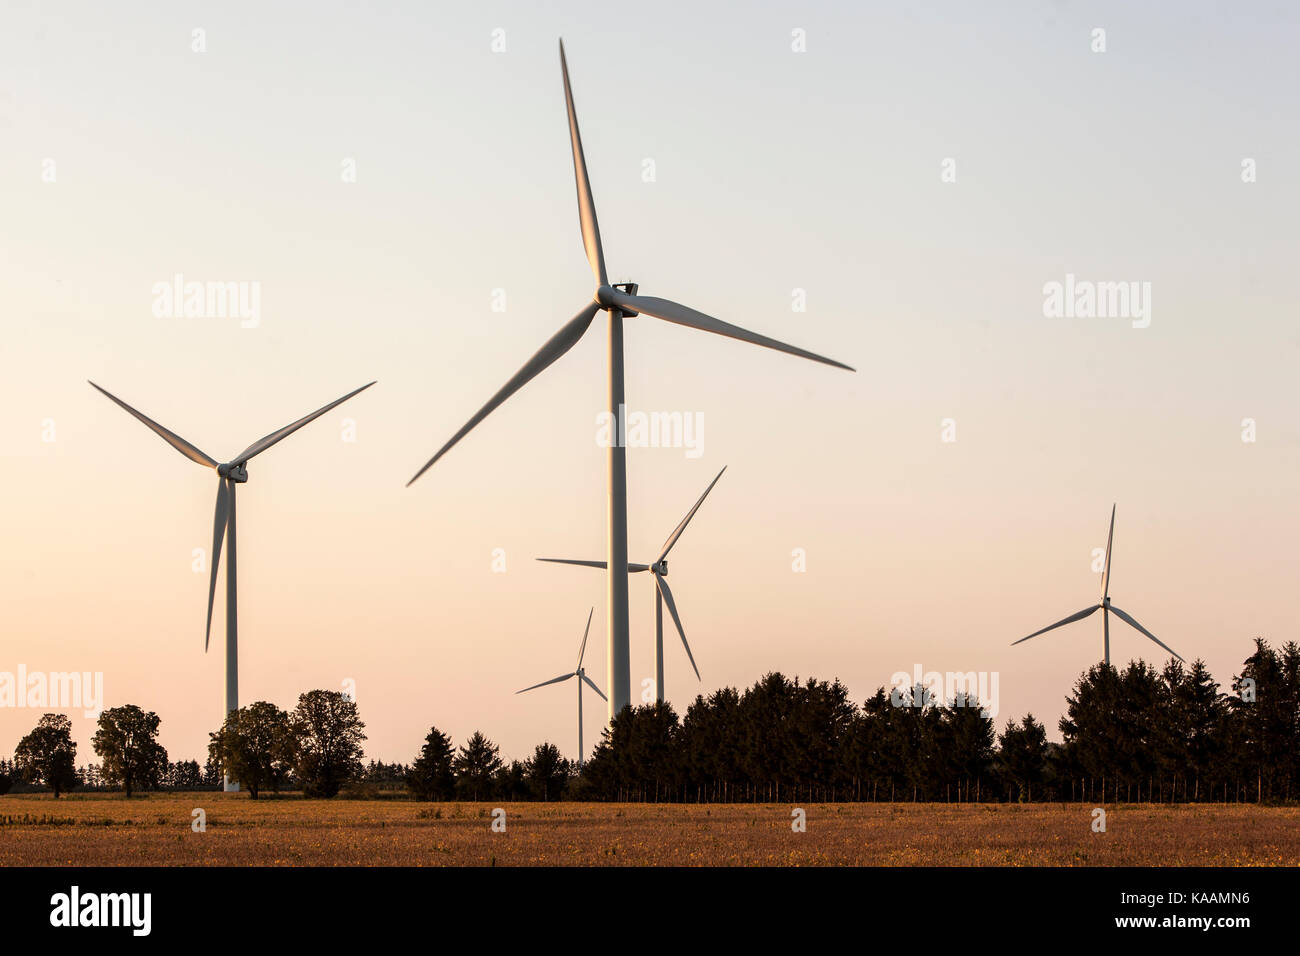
x=606 y=297
x=232 y=472
x=660 y=568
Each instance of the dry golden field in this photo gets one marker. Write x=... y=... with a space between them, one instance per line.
x=156 y=829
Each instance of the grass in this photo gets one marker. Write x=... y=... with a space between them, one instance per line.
x=107 y=830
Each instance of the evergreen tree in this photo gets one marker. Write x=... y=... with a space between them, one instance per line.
x=1022 y=755
x=431 y=776
x=546 y=772
x=476 y=767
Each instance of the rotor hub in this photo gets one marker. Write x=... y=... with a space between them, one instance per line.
x=661 y=568
x=235 y=473
x=605 y=297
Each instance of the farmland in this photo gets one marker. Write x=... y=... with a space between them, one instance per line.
x=156 y=829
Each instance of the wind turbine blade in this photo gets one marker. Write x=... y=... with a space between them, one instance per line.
x=672 y=609
x=1128 y=619
x=553 y=680
x=260 y=446
x=632 y=568
x=555 y=346
x=171 y=438
x=682 y=315
x=592 y=685
x=219 y=519
x=1105 y=571
x=1069 y=620
x=586 y=204
x=677 y=532
x=583 y=649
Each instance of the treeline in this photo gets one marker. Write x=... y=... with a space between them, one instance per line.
x=315 y=748
x=180 y=776
x=1130 y=734
x=1135 y=734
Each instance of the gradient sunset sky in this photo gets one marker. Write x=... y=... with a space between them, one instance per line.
x=775 y=170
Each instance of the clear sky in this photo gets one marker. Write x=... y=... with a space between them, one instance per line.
x=774 y=170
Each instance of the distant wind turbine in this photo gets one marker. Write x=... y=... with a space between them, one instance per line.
x=618 y=301
x=1105 y=607
x=659 y=575
x=582 y=676
x=229 y=474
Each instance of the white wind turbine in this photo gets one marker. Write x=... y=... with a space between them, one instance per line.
x=659 y=575
x=619 y=302
x=579 y=673
x=229 y=474
x=1105 y=607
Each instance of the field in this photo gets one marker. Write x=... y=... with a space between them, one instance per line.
x=156 y=829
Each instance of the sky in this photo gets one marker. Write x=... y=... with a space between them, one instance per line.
x=894 y=185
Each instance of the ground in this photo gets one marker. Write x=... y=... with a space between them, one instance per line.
x=157 y=829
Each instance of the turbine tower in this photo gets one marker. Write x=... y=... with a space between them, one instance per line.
x=618 y=302
x=659 y=575
x=582 y=676
x=229 y=474
x=1106 y=608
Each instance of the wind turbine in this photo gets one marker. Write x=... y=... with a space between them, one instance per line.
x=582 y=676
x=1105 y=607
x=618 y=301
x=229 y=474
x=659 y=575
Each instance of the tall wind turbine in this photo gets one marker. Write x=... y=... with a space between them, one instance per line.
x=618 y=302
x=1106 y=608
x=229 y=474
x=582 y=676
x=659 y=575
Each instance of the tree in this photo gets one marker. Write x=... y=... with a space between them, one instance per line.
x=431 y=776
x=1198 y=730
x=186 y=775
x=255 y=746
x=546 y=772
x=48 y=754
x=211 y=779
x=1265 y=720
x=638 y=755
x=1023 y=752
x=127 y=743
x=328 y=731
x=510 y=782
x=966 y=738
x=476 y=766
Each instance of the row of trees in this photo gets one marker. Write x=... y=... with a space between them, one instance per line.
x=477 y=772
x=1131 y=733
x=126 y=742
x=316 y=748
x=180 y=776
x=318 y=745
